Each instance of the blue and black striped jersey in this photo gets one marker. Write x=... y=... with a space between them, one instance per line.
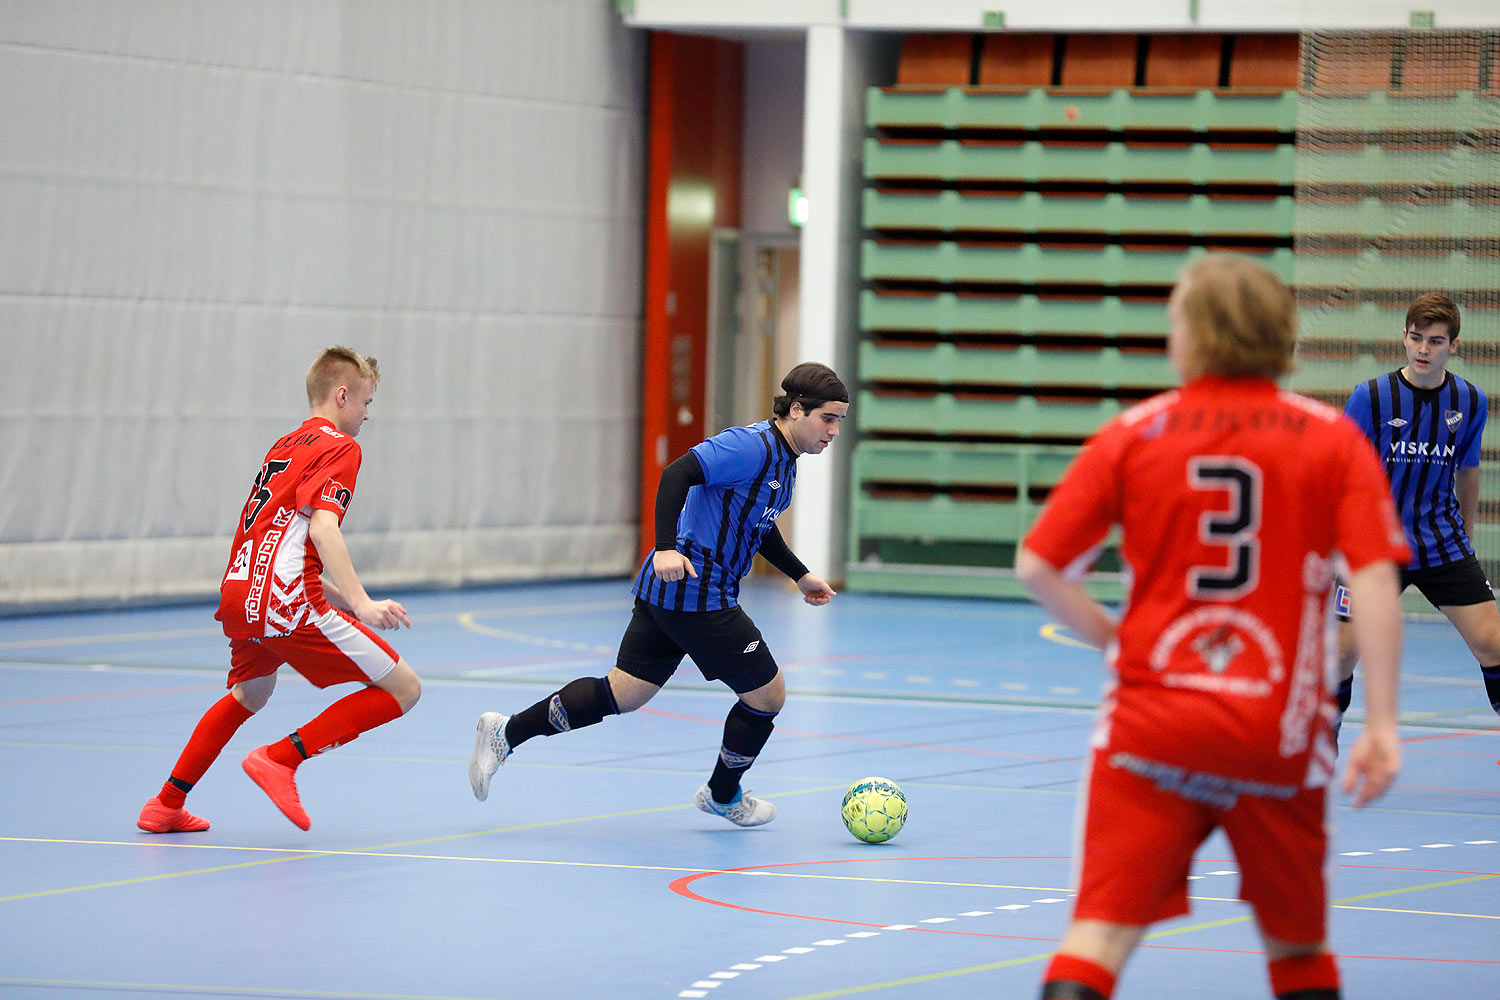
x=1424 y=436
x=749 y=473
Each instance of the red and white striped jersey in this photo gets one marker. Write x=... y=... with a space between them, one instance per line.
x=273 y=583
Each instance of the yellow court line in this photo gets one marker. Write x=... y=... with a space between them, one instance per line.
x=379 y=850
x=301 y=855
x=925 y=979
x=227 y=990
x=1420 y=913
x=198 y=633
x=1053 y=632
x=146 y=878
x=1417 y=888
x=95 y=640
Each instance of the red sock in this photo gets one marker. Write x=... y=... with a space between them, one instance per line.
x=340 y=723
x=214 y=731
x=1071 y=968
x=1304 y=972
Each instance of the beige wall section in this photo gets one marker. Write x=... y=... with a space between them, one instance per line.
x=1084 y=15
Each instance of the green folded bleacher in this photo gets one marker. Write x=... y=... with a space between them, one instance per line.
x=1019 y=245
x=957 y=211
x=1115 y=109
x=1030 y=161
x=1026 y=365
x=1117 y=267
x=950 y=312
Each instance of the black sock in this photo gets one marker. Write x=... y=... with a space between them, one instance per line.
x=1309 y=995
x=580 y=703
x=1064 y=989
x=745 y=733
x=1492 y=684
x=1345 y=694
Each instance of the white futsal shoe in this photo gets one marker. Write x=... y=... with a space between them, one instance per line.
x=490 y=751
x=742 y=810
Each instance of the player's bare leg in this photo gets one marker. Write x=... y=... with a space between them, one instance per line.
x=1479 y=624
x=1089 y=959
x=1301 y=970
x=274 y=767
x=165 y=812
x=1344 y=690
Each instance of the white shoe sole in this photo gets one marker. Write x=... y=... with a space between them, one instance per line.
x=483 y=761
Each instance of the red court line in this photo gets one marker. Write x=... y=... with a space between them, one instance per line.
x=1451 y=736
x=1430 y=871
x=680 y=887
x=1439 y=788
x=866 y=739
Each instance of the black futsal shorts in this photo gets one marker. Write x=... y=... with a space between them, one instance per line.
x=1453 y=585
x=726 y=646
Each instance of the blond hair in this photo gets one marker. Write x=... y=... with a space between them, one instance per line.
x=1242 y=319
x=338 y=366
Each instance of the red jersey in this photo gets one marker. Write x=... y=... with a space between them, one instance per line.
x=1233 y=497
x=273 y=583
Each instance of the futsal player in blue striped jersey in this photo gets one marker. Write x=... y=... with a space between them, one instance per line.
x=716 y=507
x=1426 y=424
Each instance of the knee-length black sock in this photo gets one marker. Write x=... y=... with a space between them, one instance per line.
x=745 y=733
x=579 y=703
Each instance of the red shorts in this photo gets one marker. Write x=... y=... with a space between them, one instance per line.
x=334 y=649
x=1139 y=840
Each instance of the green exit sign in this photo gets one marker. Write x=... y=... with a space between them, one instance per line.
x=994 y=19
x=1421 y=19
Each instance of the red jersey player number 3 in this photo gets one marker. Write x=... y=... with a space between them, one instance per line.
x=1235 y=501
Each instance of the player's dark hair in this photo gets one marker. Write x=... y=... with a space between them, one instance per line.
x=810 y=384
x=1434 y=307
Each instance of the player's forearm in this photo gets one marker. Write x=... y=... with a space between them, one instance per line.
x=328 y=539
x=1065 y=600
x=776 y=551
x=335 y=596
x=1376 y=604
x=1466 y=486
x=671 y=493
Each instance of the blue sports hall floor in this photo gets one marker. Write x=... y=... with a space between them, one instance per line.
x=588 y=873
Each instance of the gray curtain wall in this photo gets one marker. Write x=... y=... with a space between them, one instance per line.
x=198 y=196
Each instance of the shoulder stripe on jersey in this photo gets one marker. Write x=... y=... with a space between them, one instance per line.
x=679 y=597
x=739 y=557
x=720 y=544
x=1448 y=482
x=1434 y=403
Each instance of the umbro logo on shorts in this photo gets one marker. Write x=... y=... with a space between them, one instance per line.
x=752 y=647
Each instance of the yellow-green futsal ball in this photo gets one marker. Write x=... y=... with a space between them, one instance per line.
x=874 y=810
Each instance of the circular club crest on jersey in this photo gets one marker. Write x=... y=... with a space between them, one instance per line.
x=1208 y=643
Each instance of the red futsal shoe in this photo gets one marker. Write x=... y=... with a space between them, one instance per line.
x=279 y=782
x=157 y=818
